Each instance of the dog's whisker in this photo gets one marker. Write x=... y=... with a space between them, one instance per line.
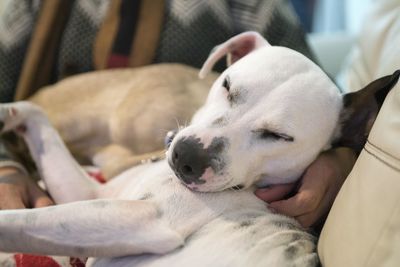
x=177 y=123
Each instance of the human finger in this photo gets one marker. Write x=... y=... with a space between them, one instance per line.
x=304 y=201
x=38 y=198
x=11 y=198
x=274 y=192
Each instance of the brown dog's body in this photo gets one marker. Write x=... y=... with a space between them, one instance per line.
x=110 y=117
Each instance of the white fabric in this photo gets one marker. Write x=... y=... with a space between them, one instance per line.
x=377 y=51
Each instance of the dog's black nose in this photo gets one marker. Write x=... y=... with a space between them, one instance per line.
x=190 y=160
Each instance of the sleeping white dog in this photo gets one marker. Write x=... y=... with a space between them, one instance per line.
x=266 y=119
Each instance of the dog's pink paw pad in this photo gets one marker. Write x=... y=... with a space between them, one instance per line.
x=12 y=112
x=21 y=129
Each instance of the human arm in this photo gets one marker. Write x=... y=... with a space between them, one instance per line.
x=315 y=192
x=17 y=189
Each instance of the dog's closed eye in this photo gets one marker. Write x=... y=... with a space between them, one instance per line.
x=272 y=135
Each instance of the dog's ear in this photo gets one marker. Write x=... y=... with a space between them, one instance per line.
x=235 y=48
x=360 y=110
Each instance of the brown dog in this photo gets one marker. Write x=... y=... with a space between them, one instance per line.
x=111 y=117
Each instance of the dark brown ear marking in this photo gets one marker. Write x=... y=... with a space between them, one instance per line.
x=360 y=110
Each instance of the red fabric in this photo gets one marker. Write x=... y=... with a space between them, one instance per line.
x=26 y=260
x=117 y=61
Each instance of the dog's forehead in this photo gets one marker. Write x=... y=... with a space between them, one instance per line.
x=269 y=67
x=275 y=69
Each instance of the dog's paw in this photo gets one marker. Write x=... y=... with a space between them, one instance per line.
x=13 y=116
x=8 y=117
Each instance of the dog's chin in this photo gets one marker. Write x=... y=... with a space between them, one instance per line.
x=210 y=187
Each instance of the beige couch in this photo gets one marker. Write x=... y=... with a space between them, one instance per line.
x=363 y=227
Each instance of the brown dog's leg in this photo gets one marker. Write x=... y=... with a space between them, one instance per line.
x=114 y=159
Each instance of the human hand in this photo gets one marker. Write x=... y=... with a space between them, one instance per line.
x=315 y=191
x=18 y=191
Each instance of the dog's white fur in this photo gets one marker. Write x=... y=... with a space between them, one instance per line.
x=147 y=215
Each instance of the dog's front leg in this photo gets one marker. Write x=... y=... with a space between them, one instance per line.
x=64 y=178
x=94 y=228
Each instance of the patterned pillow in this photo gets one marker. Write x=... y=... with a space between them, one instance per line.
x=197 y=26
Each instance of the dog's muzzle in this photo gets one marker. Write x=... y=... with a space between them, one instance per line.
x=189 y=159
